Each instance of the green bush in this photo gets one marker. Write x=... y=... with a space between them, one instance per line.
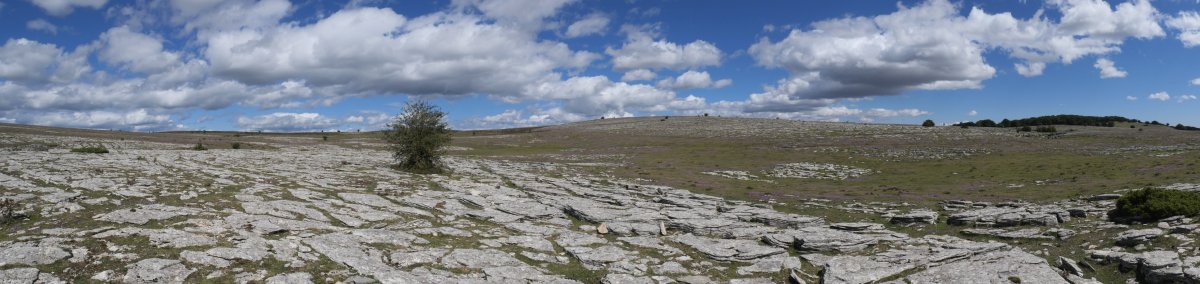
x=1151 y=204
x=928 y=123
x=91 y=150
x=235 y=145
x=199 y=147
x=418 y=136
x=1025 y=129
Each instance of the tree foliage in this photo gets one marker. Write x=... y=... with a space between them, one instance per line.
x=1155 y=203
x=928 y=123
x=417 y=137
x=1062 y=119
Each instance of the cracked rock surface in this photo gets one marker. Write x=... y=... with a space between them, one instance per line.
x=155 y=213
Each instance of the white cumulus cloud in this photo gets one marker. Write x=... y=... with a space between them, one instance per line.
x=883 y=55
x=1188 y=25
x=1108 y=69
x=642 y=51
x=41 y=25
x=65 y=7
x=638 y=75
x=287 y=122
x=592 y=24
x=693 y=80
x=1161 y=96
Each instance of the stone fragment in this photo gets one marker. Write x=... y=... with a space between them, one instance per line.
x=1068 y=265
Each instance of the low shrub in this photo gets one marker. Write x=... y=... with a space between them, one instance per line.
x=10 y=210
x=1151 y=204
x=91 y=150
x=1046 y=129
x=199 y=147
x=235 y=145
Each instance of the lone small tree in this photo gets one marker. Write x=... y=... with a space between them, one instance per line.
x=417 y=136
x=928 y=123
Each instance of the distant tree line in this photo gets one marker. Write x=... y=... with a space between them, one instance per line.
x=1065 y=119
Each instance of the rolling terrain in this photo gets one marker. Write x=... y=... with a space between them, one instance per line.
x=630 y=200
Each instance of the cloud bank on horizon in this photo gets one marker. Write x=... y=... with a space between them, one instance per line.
x=274 y=65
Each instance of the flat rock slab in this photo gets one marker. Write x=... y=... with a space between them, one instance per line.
x=1011 y=216
x=477 y=259
x=27 y=275
x=145 y=214
x=31 y=254
x=726 y=249
x=157 y=270
x=995 y=267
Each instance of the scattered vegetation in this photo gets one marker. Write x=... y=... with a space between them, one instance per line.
x=199 y=147
x=95 y=149
x=1151 y=204
x=9 y=211
x=418 y=136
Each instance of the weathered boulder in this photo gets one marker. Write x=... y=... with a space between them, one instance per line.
x=1135 y=237
x=1153 y=267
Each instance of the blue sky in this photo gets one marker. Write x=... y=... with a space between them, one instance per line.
x=276 y=65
